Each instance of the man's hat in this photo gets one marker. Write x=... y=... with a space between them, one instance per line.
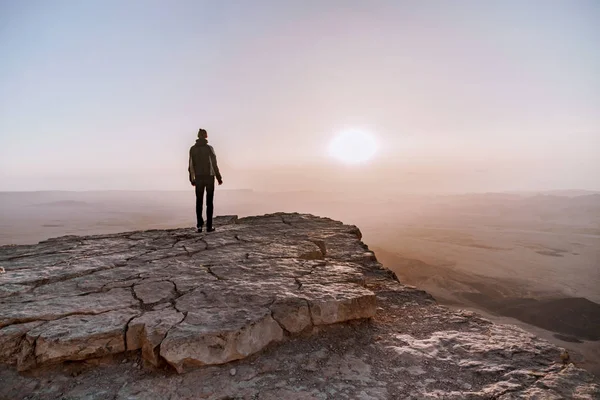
x=202 y=133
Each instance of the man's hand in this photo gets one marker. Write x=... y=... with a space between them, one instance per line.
x=193 y=183
x=220 y=181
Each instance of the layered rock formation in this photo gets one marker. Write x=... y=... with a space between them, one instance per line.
x=186 y=298
x=300 y=301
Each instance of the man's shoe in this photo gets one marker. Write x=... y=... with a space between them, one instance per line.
x=211 y=229
x=199 y=230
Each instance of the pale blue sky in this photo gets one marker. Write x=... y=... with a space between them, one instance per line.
x=486 y=95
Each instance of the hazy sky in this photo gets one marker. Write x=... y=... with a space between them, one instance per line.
x=460 y=95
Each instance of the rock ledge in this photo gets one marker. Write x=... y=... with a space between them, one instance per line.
x=179 y=296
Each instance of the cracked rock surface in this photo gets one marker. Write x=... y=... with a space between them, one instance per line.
x=283 y=306
x=182 y=297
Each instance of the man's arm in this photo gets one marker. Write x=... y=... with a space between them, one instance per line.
x=191 y=170
x=213 y=157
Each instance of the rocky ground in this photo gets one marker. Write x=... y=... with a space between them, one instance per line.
x=282 y=306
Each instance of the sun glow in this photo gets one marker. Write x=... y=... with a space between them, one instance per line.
x=353 y=147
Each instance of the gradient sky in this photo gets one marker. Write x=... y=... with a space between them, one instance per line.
x=460 y=95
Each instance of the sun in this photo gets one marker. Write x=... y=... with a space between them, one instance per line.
x=353 y=147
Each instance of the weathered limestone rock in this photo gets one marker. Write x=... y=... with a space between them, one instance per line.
x=234 y=294
x=217 y=336
x=292 y=313
x=148 y=331
x=265 y=270
x=285 y=248
x=11 y=289
x=77 y=337
x=334 y=273
x=58 y=307
x=53 y=268
x=234 y=291
x=154 y=292
x=10 y=340
x=338 y=302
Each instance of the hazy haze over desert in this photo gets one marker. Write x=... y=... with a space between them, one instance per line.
x=479 y=122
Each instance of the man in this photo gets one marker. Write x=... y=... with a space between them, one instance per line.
x=203 y=169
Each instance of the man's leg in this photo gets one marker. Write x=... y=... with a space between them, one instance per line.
x=210 y=195
x=199 y=201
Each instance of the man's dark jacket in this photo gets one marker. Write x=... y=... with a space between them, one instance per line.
x=203 y=161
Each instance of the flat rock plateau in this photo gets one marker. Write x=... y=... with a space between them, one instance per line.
x=281 y=306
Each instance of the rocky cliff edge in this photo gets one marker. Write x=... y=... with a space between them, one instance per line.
x=282 y=306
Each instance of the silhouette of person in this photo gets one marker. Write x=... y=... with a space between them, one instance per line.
x=203 y=169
